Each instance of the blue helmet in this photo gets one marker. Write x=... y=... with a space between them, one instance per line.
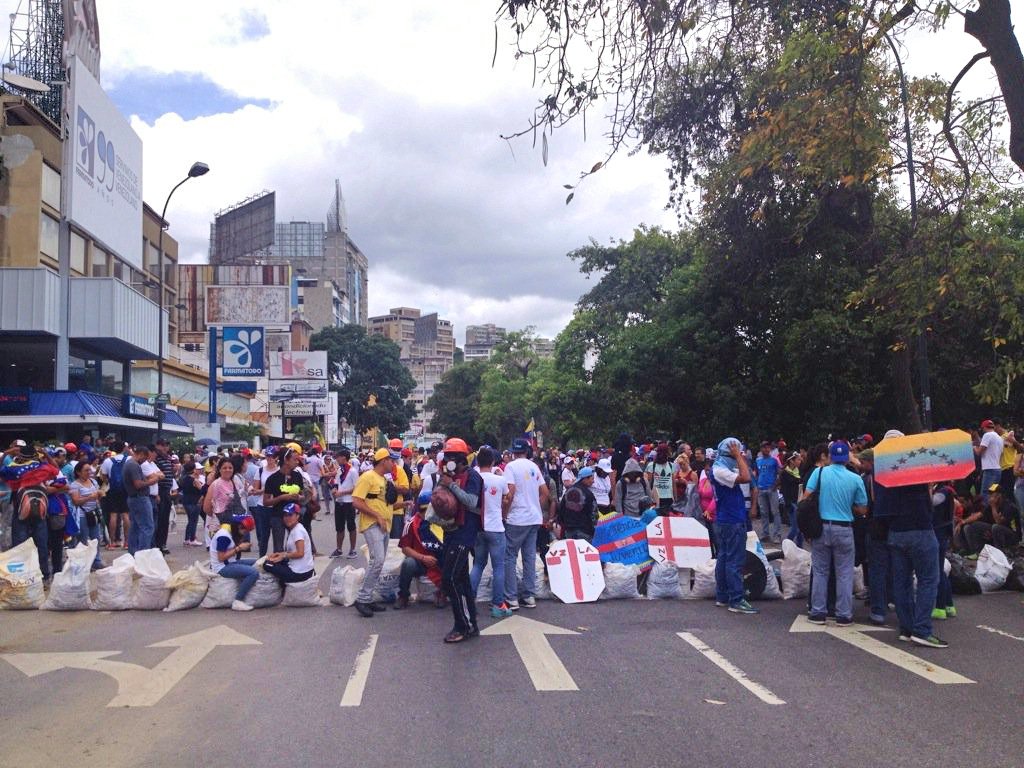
x=424 y=498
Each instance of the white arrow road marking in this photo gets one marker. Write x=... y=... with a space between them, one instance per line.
x=528 y=636
x=137 y=686
x=855 y=635
x=995 y=631
x=730 y=669
x=353 y=695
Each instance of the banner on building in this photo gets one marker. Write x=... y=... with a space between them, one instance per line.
x=293 y=366
x=261 y=305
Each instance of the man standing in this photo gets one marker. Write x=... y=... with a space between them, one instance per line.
x=990 y=450
x=344 y=509
x=116 y=499
x=841 y=494
x=315 y=469
x=137 y=486
x=768 y=480
x=529 y=497
x=728 y=473
x=368 y=496
x=163 y=462
x=283 y=487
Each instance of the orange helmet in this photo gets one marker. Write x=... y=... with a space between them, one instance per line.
x=395 y=443
x=456 y=445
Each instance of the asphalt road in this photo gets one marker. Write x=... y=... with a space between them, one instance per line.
x=645 y=696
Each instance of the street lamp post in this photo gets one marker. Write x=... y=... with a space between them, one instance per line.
x=197 y=169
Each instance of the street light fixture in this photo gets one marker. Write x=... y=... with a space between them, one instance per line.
x=197 y=169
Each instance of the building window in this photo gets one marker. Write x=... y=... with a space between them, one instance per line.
x=77 y=253
x=100 y=264
x=122 y=272
x=49 y=235
x=152 y=260
x=51 y=187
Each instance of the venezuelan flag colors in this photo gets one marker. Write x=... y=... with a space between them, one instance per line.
x=926 y=458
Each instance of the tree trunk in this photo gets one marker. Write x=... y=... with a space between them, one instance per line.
x=906 y=406
x=990 y=25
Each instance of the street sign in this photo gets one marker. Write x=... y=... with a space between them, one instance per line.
x=243 y=351
x=679 y=540
x=574 y=570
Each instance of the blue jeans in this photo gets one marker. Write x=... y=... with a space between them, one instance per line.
x=988 y=477
x=833 y=547
x=915 y=553
x=377 y=549
x=192 y=510
x=944 y=593
x=23 y=530
x=411 y=569
x=261 y=515
x=768 y=506
x=732 y=553
x=242 y=570
x=879 y=578
x=141 y=524
x=520 y=538
x=490 y=545
x=794 y=529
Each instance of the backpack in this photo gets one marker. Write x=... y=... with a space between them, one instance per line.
x=37 y=503
x=573 y=500
x=117 y=474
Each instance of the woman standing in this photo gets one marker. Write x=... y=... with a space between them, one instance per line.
x=224 y=495
x=85 y=500
x=682 y=479
x=191 y=486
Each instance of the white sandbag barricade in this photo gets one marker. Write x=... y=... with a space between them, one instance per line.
x=771 y=585
x=483 y=589
x=426 y=590
x=302 y=594
x=796 y=571
x=663 y=582
x=387 y=585
x=69 y=590
x=21 y=579
x=680 y=540
x=114 y=585
x=860 y=588
x=704 y=581
x=150 y=591
x=265 y=593
x=993 y=568
x=188 y=587
x=620 y=582
x=574 y=571
x=345 y=583
x=221 y=592
x=543 y=587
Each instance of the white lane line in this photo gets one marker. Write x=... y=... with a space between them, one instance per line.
x=353 y=695
x=995 y=631
x=731 y=669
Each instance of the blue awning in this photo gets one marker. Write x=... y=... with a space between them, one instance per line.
x=80 y=405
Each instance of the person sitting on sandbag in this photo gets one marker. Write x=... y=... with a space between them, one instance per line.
x=226 y=544
x=295 y=563
x=997 y=523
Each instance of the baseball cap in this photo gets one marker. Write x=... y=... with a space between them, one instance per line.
x=605 y=465
x=271 y=450
x=520 y=445
x=245 y=522
x=867 y=438
x=70 y=447
x=19 y=443
x=567 y=460
x=382 y=453
x=839 y=451
x=987 y=424
x=585 y=473
x=291 y=508
x=781 y=444
x=407 y=452
x=892 y=433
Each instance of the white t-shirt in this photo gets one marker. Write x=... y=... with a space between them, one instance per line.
x=527 y=478
x=215 y=563
x=495 y=486
x=149 y=468
x=993 y=450
x=348 y=484
x=366 y=466
x=314 y=467
x=568 y=478
x=429 y=468
x=303 y=564
x=602 y=490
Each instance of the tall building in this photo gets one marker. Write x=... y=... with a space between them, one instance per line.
x=544 y=347
x=427 y=344
x=481 y=340
x=344 y=263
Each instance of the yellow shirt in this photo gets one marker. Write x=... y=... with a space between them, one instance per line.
x=371 y=487
x=1008 y=457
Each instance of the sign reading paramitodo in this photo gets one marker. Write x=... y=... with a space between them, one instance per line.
x=243 y=351
x=138 y=407
x=248 y=305
x=106 y=180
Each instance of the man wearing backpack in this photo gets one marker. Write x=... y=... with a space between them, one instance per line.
x=577 y=509
x=116 y=498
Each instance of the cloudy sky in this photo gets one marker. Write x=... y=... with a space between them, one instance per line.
x=400 y=102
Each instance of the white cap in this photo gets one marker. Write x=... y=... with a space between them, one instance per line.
x=20 y=443
x=892 y=433
x=605 y=464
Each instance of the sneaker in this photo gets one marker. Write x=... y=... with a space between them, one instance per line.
x=904 y=636
x=336 y=553
x=365 y=609
x=238 y=605
x=377 y=607
x=401 y=603
x=743 y=607
x=816 y=618
x=876 y=621
x=529 y=602
x=973 y=556
x=500 y=611
x=513 y=605
x=939 y=613
x=351 y=554
x=950 y=612
x=843 y=621
x=929 y=642
x=721 y=604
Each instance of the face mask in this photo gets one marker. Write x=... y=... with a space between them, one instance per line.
x=451 y=466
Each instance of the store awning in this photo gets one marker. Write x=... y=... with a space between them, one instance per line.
x=81 y=407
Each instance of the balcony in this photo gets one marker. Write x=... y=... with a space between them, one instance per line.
x=114 y=322
x=30 y=302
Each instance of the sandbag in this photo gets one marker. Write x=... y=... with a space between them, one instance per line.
x=150 y=563
x=114 y=585
x=302 y=594
x=21 y=579
x=387 y=585
x=345 y=583
x=961 y=578
x=69 y=590
x=1015 y=579
x=543 y=587
x=992 y=570
x=620 y=582
x=796 y=571
x=150 y=593
x=663 y=582
x=860 y=589
x=265 y=593
x=188 y=587
x=221 y=592
x=771 y=590
x=426 y=590
x=704 y=581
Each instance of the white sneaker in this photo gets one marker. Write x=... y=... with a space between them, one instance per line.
x=238 y=605
x=529 y=602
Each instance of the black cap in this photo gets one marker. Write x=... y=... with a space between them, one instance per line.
x=520 y=445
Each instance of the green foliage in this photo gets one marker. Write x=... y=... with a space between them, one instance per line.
x=456 y=402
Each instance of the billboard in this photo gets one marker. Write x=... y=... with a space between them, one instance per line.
x=243 y=351
x=106 y=180
x=307 y=407
x=248 y=304
x=243 y=231
x=82 y=34
x=307 y=389
x=298 y=365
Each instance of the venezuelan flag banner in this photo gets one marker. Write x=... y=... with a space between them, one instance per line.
x=930 y=457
